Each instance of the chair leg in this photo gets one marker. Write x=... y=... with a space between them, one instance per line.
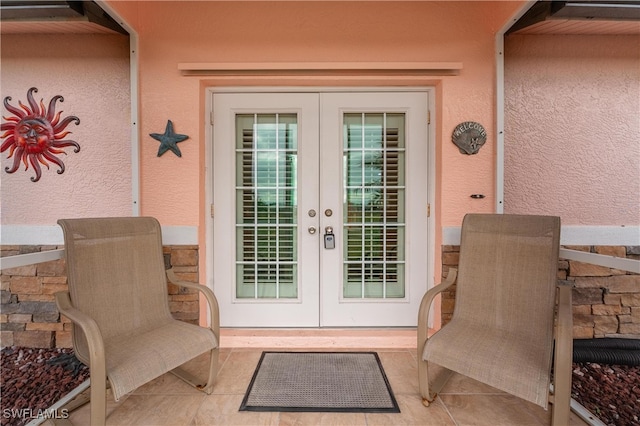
x=561 y=406
x=197 y=382
x=423 y=378
x=213 y=371
x=431 y=382
x=561 y=389
x=98 y=396
x=563 y=354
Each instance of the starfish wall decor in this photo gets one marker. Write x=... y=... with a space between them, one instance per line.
x=169 y=140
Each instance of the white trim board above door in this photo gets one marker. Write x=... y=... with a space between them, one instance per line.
x=320 y=208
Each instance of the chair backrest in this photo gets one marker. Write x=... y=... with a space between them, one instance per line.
x=507 y=273
x=116 y=273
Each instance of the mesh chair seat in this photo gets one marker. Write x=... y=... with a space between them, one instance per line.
x=523 y=370
x=141 y=357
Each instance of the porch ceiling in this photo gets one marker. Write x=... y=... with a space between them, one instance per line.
x=587 y=17
x=618 y=17
x=56 y=17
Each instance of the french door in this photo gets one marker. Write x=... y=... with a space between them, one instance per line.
x=320 y=204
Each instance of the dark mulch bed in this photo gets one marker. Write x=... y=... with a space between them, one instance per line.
x=32 y=380
x=609 y=392
x=35 y=379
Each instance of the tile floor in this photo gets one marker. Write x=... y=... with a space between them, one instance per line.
x=169 y=401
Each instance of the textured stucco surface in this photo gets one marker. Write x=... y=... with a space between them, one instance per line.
x=91 y=72
x=172 y=188
x=572 y=128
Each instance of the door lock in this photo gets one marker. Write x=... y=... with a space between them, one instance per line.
x=329 y=238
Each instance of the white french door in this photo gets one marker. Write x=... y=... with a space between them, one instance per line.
x=320 y=204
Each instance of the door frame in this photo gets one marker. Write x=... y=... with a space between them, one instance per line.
x=209 y=160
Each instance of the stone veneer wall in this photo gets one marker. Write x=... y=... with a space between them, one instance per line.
x=606 y=302
x=28 y=313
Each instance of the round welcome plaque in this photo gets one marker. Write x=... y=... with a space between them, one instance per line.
x=469 y=137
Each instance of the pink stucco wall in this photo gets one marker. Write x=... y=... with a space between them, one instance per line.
x=91 y=72
x=176 y=32
x=94 y=80
x=572 y=125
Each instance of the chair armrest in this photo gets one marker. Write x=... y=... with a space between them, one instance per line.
x=212 y=301
x=95 y=343
x=87 y=324
x=425 y=306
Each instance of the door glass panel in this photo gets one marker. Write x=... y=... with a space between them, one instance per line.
x=374 y=205
x=266 y=206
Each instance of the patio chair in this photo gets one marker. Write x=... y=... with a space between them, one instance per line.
x=118 y=304
x=507 y=305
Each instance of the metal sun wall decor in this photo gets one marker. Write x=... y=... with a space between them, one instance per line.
x=35 y=134
x=469 y=137
x=169 y=140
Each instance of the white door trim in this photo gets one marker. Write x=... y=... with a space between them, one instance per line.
x=209 y=162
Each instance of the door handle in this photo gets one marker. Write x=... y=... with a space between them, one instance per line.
x=312 y=230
